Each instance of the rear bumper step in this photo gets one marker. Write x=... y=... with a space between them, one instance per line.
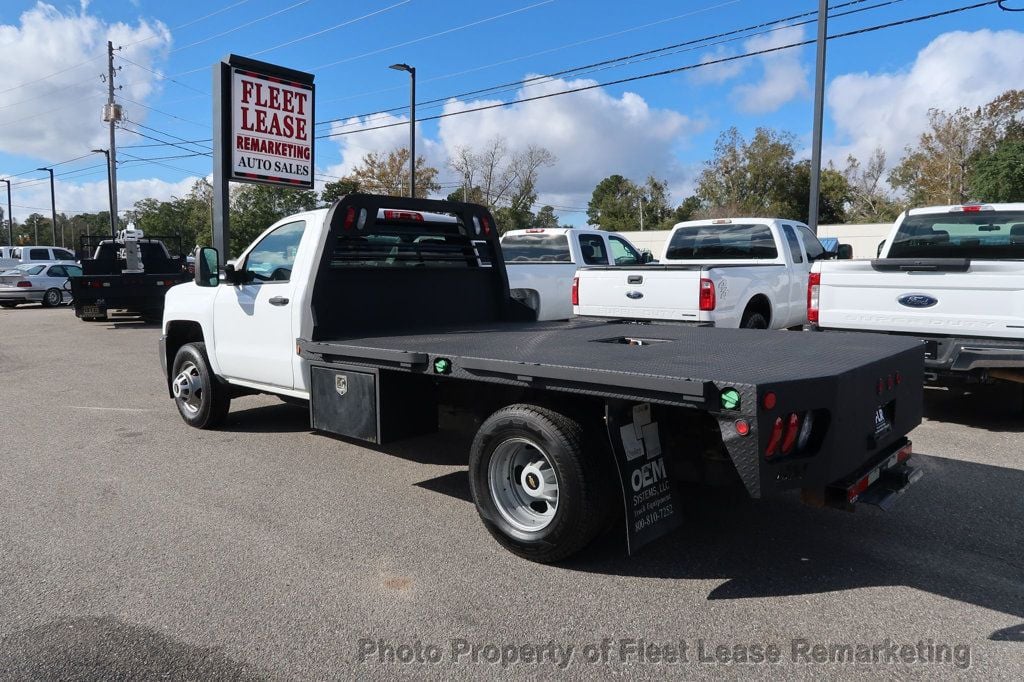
x=881 y=485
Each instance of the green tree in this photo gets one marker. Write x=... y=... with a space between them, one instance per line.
x=833 y=195
x=546 y=218
x=333 y=191
x=614 y=204
x=254 y=208
x=688 y=210
x=869 y=201
x=999 y=175
x=389 y=174
x=750 y=178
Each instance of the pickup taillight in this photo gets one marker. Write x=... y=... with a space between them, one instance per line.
x=576 y=290
x=707 y=294
x=813 y=294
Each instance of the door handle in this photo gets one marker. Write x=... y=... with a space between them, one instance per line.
x=279 y=300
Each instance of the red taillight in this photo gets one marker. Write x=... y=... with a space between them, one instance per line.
x=350 y=218
x=905 y=452
x=813 y=296
x=487 y=225
x=707 y=294
x=743 y=427
x=971 y=208
x=403 y=215
x=775 y=439
x=24 y=284
x=575 y=290
x=769 y=400
x=792 y=431
x=899 y=378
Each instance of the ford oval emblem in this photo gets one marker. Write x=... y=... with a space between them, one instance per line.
x=917 y=300
x=634 y=294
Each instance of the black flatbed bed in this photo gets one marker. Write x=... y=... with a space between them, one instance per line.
x=680 y=360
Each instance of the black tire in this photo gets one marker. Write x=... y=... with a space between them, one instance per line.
x=581 y=479
x=8 y=304
x=754 y=320
x=52 y=298
x=205 y=401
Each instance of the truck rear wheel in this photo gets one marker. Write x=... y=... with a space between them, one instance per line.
x=536 y=490
x=202 y=400
x=754 y=320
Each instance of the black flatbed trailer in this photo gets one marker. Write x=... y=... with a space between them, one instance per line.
x=777 y=411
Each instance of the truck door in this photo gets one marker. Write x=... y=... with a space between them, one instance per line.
x=255 y=340
x=796 y=303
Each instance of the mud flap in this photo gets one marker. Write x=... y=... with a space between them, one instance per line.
x=650 y=495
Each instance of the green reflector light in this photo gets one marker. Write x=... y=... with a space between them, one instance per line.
x=730 y=399
x=442 y=366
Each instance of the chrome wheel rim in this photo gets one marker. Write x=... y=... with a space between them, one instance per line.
x=53 y=297
x=188 y=388
x=523 y=484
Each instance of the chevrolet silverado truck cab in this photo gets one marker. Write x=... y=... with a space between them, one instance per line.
x=951 y=277
x=386 y=314
x=733 y=272
x=542 y=262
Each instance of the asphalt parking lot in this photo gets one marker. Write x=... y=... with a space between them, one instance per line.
x=133 y=546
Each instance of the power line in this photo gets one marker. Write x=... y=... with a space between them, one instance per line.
x=692 y=42
x=680 y=69
x=332 y=28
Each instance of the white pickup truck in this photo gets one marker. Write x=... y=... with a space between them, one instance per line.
x=739 y=272
x=541 y=263
x=952 y=276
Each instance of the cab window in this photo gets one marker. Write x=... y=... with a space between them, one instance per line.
x=38 y=254
x=622 y=252
x=592 y=249
x=61 y=254
x=794 y=244
x=812 y=246
x=272 y=258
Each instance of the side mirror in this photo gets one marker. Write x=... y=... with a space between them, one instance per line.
x=881 y=245
x=206 y=274
x=844 y=252
x=646 y=257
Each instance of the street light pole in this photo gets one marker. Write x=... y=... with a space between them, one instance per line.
x=819 y=111
x=412 y=124
x=110 y=193
x=53 y=211
x=10 y=218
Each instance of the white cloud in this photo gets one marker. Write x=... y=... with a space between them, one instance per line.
x=784 y=75
x=720 y=72
x=592 y=134
x=89 y=197
x=890 y=110
x=57 y=117
x=381 y=133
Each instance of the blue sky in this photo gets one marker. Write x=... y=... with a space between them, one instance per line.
x=880 y=84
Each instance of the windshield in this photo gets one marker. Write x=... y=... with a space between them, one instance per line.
x=536 y=248
x=981 y=234
x=700 y=242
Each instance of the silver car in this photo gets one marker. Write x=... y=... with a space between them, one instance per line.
x=45 y=283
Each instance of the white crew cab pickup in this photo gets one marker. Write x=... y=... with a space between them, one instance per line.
x=952 y=276
x=541 y=263
x=733 y=272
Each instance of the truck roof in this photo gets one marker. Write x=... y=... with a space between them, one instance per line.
x=555 y=230
x=966 y=208
x=735 y=221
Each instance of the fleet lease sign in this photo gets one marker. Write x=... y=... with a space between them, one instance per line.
x=271 y=129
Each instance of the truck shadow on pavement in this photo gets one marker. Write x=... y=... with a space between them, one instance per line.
x=956 y=534
x=104 y=647
x=997 y=408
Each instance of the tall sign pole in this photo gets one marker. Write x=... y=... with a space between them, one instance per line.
x=819 y=112
x=10 y=217
x=112 y=114
x=262 y=132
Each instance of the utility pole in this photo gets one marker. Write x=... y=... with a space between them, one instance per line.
x=641 y=214
x=112 y=113
x=819 y=112
x=110 y=194
x=10 y=218
x=53 y=212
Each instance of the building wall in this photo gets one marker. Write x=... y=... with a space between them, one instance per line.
x=863 y=238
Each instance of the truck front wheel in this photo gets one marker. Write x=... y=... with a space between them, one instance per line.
x=202 y=400
x=537 y=491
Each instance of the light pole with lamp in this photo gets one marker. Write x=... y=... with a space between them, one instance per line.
x=53 y=211
x=110 y=193
x=10 y=218
x=412 y=125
